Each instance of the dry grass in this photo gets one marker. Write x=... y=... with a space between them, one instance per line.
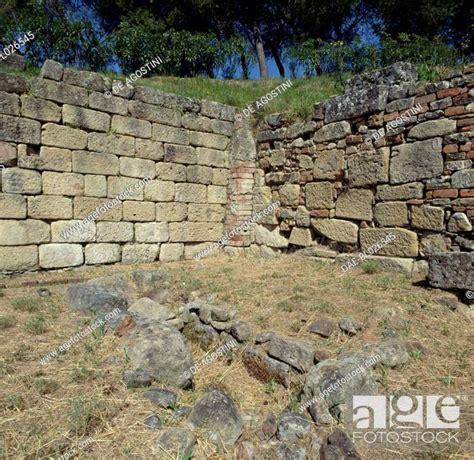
x=48 y=409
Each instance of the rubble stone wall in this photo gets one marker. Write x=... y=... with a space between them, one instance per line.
x=345 y=179
x=68 y=147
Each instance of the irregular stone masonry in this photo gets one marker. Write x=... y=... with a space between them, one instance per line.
x=67 y=150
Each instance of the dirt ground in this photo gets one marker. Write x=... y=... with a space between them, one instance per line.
x=48 y=409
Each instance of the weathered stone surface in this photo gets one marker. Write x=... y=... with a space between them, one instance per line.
x=112 y=104
x=332 y=132
x=170 y=135
x=171 y=252
x=342 y=441
x=289 y=195
x=271 y=238
x=433 y=128
x=433 y=243
x=454 y=270
x=68 y=184
x=216 y=194
x=83 y=234
x=24 y=232
x=162 y=398
x=211 y=141
x=264 y=368
x=292 y=426
x=49 y=207
x=63 y=136
x=8 y=154
x=95 y=186
x=153 y=232
x=125 y=188
x=137 y=379
x=368 y=168
x=86 y=79
x=159 y=191
x=400 y=192
x=59 y=92
x=103 y=253
x=391 y=352
x=94 y=163
x=171 y=171
x=328 y=164
x=355 y=204
x=322 y=326
x=150 y=150
x=211 y=157
x=195 y=231
x=459 y=222
x=319 y=195
x=138 y=212
x=21 y=259
x=463 y=179
x=112 y=144
x=131 y=126
x=50 y=158
x=85 y=118
x=12 y=206
x=191 y=193
x=20 y=130
x=417 y=160
x=95 y=209
x=206 y=212
x=171 y=212
x=176 y=441
x=405 y=243
x=140 y=253
x=52 y=70
x=147 y=308
x=337 y=230
x=21 y=181
x=180 y=154
x=9 y=104
x=296 y=353
x=427 y=218
x=137 y=167
x=160 y=351
x=391 y=214
x=300 y=236
x=114 y=232
x=350 y=325
x=152 y=113
x=60 y=255
x=217 y=414
x=200 y=175
x=387 y=264
x=13 y=84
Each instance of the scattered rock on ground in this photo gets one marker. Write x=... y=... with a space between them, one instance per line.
x=177 y=442
x=43 y=292
x=241 y=331
x=203 y=334
x=182 y=412
x=289 y=451
x=296 y=353
x=137 y=379
x=342 y=441
x=322 y=327
x=244 y=451
x=147 y=308
x=392 y=352
x=350 y=325
x=162 y=398
x=218 y=415
x=329 y=452
x=292 y=426
x=321 y=355
x=269 y=428
x=264 y=368
x=264 y=337
x=153 y=422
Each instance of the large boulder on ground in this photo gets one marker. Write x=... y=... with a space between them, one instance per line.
x=296 y=353
x=218 y=415
x=160 y=351
x=452 y=270
x=176 y=443
x=95 y=298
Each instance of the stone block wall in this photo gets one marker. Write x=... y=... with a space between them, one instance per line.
x=340 y=192
x=66 y=149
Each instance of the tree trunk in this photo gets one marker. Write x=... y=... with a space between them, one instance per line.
x=279 y=64
x=245 y=67
x=262 y=60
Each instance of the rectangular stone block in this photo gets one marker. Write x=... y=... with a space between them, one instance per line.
x=86 y=79
x=137 y=167
x=355 y=204
x=57 y=255
x=39 y=109
x=319 y=195
x=220 y=176
x=103 y=253
x=400 y=192
x=414 y=161
x=85 y=118
x=49 y=158
x=96 y=208
x=112 y=144
x=368 y=168
x=211 y=141
x=110 y=104
x=332 y=132
x=95 y=186
x=153 y=232
x=12 y=206
x=391 y=214
x=182 y=232
x=197 y=122
x=433 y=128
x=159 y=191
x=191 y=193
x=328 y=164
x=21 y=181
x=21 y=259
x=114 y=232
x=63 y=136
x=68 y=184
x=154 y=114
x=8 y=154
x=216 y=194
x=180 y=154
x=171 y=212
x=23 y=232
x=20 y=130
x=72 y=231
x=206 y=212
x=59 y=92
x=94 y=163
x=140 y=253
x=452 y=271
x=199 y=174
x=124 y=188
x=131 y=126
x=405 y=244
x=13 y=84
x=49 y=207
x=171 y=171
x=138 y=212
x=150 y=150
x=170 y=134
x=427 y=218
x=9 y=104
x=210 y=157
x=171 y=252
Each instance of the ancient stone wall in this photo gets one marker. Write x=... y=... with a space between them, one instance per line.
x=68 y=147
x=346 y=179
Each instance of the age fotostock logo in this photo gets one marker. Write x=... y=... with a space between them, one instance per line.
x=406 y=419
